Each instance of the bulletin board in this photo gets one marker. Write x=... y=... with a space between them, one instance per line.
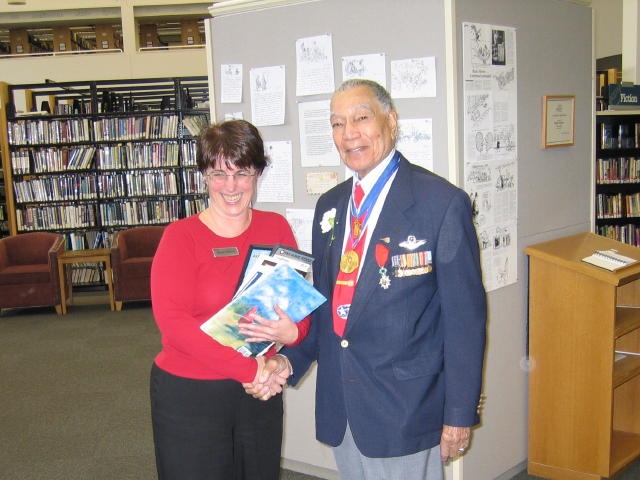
x=267 y=38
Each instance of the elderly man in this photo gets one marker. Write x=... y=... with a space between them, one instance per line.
x=400 y=342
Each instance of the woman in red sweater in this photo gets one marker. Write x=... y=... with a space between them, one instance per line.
x=205 y=426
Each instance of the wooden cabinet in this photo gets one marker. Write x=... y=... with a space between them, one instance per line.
x=584 y=402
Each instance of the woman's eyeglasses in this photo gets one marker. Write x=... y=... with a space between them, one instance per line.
x=218 y=177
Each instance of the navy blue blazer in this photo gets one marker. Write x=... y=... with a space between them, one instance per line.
x=411 y=356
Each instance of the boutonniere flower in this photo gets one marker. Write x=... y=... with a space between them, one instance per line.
x=328 y=223
x=382 y=256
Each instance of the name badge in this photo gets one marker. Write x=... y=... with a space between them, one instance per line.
x=225 y=252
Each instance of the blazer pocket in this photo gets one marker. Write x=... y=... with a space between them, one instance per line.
x=419 y=366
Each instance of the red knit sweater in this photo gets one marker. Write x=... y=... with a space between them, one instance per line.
x=189 y=285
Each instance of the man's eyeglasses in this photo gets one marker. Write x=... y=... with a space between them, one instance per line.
x=240 y=176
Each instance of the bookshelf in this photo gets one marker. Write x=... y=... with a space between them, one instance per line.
x=604 y=78
x=584 y=423
x=617 y=172
x=110 y=155
x=4 y=221
x=4 y=148
x=53 y=31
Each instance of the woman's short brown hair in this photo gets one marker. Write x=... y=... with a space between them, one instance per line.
x=233 y=143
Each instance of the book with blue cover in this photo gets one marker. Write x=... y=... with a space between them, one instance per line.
x=281 y=286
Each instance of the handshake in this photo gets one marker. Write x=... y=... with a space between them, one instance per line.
x=271 y=377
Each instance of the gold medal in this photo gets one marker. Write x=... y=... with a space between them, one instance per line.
x=349 y=262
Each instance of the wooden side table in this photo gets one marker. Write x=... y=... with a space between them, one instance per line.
x=100 y=255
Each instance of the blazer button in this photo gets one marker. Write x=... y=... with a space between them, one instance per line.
x=344 y=343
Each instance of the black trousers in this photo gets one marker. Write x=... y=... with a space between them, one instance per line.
x=213 y=430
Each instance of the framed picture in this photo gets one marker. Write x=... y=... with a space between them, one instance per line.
x=558 y=120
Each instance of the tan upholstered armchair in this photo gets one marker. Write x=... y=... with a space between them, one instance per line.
x=132 y=252
x=29 y=270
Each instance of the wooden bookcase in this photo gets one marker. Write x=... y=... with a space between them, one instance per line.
x=617 y=172
x=86 y=159
x=108 y=155
x=4 y=216
x=5 y=183
x=584 y=405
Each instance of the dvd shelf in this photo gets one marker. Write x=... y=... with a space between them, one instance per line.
x=617 y=171
x=113 y=155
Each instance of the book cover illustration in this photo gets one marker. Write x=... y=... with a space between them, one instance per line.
x=263 y=257
x=281 y=286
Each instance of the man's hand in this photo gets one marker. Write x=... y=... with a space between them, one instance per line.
x=454 y=442
x=271 y=377
x=283 y=330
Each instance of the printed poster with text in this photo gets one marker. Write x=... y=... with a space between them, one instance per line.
x=490 y=146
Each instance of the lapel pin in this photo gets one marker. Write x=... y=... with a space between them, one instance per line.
x=411 y=243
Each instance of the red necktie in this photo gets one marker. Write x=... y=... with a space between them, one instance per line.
x=347 y=277
x=358 y=195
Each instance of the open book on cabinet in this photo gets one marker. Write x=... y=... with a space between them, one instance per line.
x=89 y=158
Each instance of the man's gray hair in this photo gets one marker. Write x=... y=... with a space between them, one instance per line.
x=378 y=90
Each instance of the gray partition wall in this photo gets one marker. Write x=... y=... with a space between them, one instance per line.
x=554 y=56
x=403 y=29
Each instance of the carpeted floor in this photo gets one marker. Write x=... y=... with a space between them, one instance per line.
x=74 y=394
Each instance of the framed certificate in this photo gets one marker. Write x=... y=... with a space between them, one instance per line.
x=558 y=120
